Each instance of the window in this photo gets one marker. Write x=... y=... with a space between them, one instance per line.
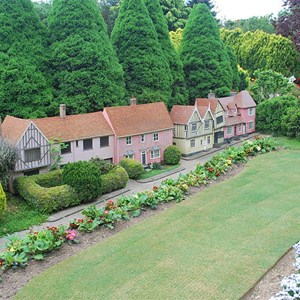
x=240 y=127
x=251 y=125
x=32 y=172
x=155 y=154
x=66 y=148
x=155 y=137
x=219 y=119
x=128 y=140
x=142 y=138
x=250 y=111
x=32 y=154
x=87 y=144
x=77 y=144
x=235 y=110
x=194 y=127
x=104 y=141
x=193 y=143
x=185 y=127
x=129 y=156
x=206 y=125
x=229 y=130
x=208 y=140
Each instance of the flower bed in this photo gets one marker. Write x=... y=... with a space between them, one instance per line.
x=35 y=245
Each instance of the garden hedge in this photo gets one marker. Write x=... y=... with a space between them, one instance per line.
x=2 y=199
x=40 y=192
x=114 y=180
x=172 y=155
x=133 y=167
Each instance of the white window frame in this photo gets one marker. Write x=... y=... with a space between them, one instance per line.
x=250 y=111
x=194 y=129
x=128 y=140
x=208 y=140
x=229 y=130
x=240 y=127
x=206 y=124
x=235 y=110
x=252 y=125
x=155 y=154
x=155 y=137
x=129 y=156
x=142 y=138
x=32 y=154
x=192 y=143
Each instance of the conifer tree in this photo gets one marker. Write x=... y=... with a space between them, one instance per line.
x=147 y=72
x=86 y=73
x=24 y=90
x=234 y=67
x=205 y=61
x=179 y=91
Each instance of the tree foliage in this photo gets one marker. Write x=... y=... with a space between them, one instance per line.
x=206 y=63
x=269 y=84
x=176 y=38
x=291 y=122
x=86 y=73
x=179 y=92
x=244 y=79
x=24 y=90
x=147 y=72
x=234 y=67
x=109 y=10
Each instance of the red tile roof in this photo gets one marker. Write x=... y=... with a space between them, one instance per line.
x=13 y=128
x=244 y=100
x=74 y=127
x=181 y=114
x=139 y=119
x=233 y=121
x=205 y=102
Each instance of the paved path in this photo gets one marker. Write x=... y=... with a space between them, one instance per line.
x=133 y=187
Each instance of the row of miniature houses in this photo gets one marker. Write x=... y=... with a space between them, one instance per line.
x=136 y=131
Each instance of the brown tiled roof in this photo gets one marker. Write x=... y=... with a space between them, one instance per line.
x=244 y=100
x=74 y=127
x=205 y=102
x=13 y=128
x=233 y=121
x=139 y=119
x=181 y=114
x=224 y=101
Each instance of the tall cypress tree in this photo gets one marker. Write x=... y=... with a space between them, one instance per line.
x=179 y=91
x=86 y=73
x=147 y=72
x=24 y=90
x=205 y=61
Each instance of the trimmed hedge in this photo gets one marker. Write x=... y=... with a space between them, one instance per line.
x=46 y=199
x=114 y=180
x=172 y=155
x=2 y=199
x=133 y=167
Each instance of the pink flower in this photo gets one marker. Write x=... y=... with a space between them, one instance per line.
x=106 y=212
x=71 y=234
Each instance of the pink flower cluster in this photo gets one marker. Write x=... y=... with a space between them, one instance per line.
x=71 y=234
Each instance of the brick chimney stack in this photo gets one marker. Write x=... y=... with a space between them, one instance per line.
x=62 y=111
x=133 y=101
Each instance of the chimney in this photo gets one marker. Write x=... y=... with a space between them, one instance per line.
x=0 y=127
x=211 y=95
x=133 y=101
x=62 y=111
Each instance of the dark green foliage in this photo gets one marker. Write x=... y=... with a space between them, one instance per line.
x=179 y=92
x=244 y=79
x=115 y=179
x=291 y=122
x=43 y=10
x=2 y=200
x=133 y=167
x=86 y=72
x=109 y=11
x=46 y=199
x=205 y=61
x=172 y=155
x=271 y=113
x=103 y=165
x=24 y=90
x=234 y=68
x=156 y=166
x=85 y=178
x=147 y=73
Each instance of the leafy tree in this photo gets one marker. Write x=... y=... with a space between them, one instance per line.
x=24 y=89
x=8 y=159
x=43 y=9
x=179 y=92
x=109 y=10
x=288 y=22
x=234 y=67
x=175 y=12
x=244 y=79
x=147 y=72
x=269 y=84
x=205 y=61
x=86 y=73
x=291 y=122
x=176 y=38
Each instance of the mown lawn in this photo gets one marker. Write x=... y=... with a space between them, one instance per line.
x=165 y=168
x=289 y=143
x=215 y=245
x=19 y=216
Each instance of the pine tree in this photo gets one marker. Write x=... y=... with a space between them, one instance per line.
x=205 y=61
x=24 y=90
x=86 y=73
x=234 y=67
x=179 y=91
x=147 y=73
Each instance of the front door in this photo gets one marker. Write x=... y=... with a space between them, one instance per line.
x=143 y=158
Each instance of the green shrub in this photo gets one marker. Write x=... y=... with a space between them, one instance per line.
x=156 y=166
x=172 y=155
x=85 y=178
x=103 y=165
x=114 y=180
x=133 y=167
x=46 y=198
x=2 y=199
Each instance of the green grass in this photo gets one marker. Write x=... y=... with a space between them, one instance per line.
x=164 y=169
x=290 y=143
x=215 y=245
x=19 y=216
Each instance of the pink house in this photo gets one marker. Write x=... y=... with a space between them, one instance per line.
x=141 y=131
x=239 y=115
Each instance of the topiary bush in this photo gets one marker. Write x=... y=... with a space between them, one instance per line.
x=85 y=178
x=114 y=180
x=172 y=155
x=2 y=199
x=103 y=165
x=133 y=167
